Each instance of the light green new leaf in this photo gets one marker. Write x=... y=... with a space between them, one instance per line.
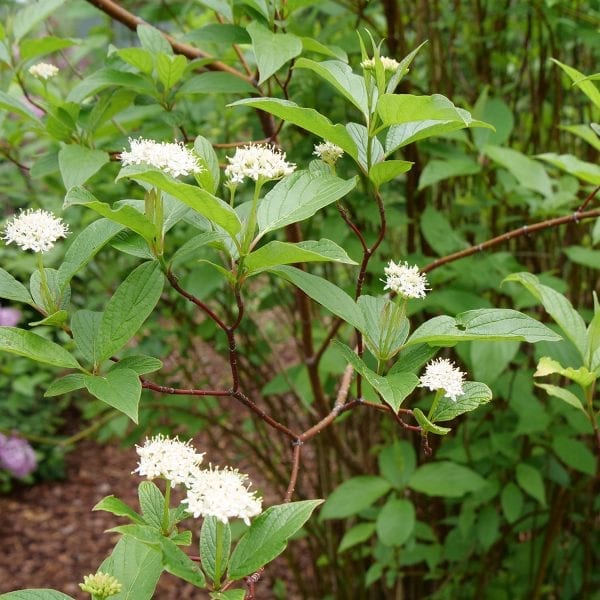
x=209 y=550
x=124 y=215
x=386 y=171
x=548 y=366
x=56 y=319
x=306 y=118
x=529 y=173
x=153 y=40
x=445 y=479
x=210 y=175
x=439 y=170
x=32 y=15
x=85 y=325
x=531 y=482
x=324 y=292
x=562 y=394
x=215 y=82
x=139 y=58
x=299 y=197
x=474 y=395
x=28 y=344
x=66 y=384
x=117 y=507
x=200 y=200
x=427 y=425
x=581 y=81
x=272 y=50
x=136 y=566
x=354 y=495
x=583 y=256
x=340 y=75
x=284 y=253
x=129 y=307
x=104 y=78
x=35 y=594
x=85 y=246
x=487 y=324
x=557 y=306
x=356 y=535
x=78 y=163
x=585 y=132
x=396 y=521
x=11 y=289
x=140 y=363
x=11 y=104
x=268 y=536
x=585 y=171
x=170 y=68
x=120 y=389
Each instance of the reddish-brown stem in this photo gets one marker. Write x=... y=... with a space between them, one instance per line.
x=164 y=389
x=357 y=232
x=515 y=233
x=295 y=470
x=131 y=21
x=589 y=198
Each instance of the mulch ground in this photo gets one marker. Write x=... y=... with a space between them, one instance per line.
x=51 y=538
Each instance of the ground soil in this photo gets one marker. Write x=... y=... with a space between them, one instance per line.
x=51 y=539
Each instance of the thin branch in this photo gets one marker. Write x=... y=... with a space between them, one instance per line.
x=295 y=470
x=164 y=389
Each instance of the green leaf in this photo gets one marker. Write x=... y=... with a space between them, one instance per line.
x=210 y=176
x=32 y=15
x=152 y=503
x=272 y=50
x=117 y=507
x=583 y=256
x=35 y=594
x=215 y=83
x=189 y=250
x=178 y=563
x=574 y=454
x=427 y=425
x=283 y=253
x=85 y=325
x=28 y=344
x=354 y=495
x=585 y=132
x=200 y=200
x=340 y=75
x=78 y=163
x=397 y=463
x=311 y=45
x=85 y=246
x=11 y=289
x=136 y=566
x=362 y=139
x=562 y=394
x=306 y=118
x=356 y=535
x=489 y=324
x=396 y=522
x=208 y=548
x=324 y=292
x=511 y=500
x=104 y=78
x=386 y=171
x=439 y=170
x=299 y=197
x=579 y=79
x=549 y=366
x=129 y=307
x=268 y=536
x=124 y=215
x=439 y=233
x=7 y=102
x=557 y=306
x=446 y=479
x=585 y=171
x=56 y=319
x=66 y=384
x=139 y=58
x=120 y=389
x=489 y=361
x=229 y=595
x=153 y=40
x=38 y=47
x=170 y=69
x=529 y=173
x=140 y=363
x=474 y=395
x=531 y=482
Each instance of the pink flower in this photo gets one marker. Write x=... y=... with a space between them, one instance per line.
x=17 y=456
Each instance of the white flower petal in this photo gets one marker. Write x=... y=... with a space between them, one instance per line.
x=258 y=161
x=441 y=374
x=173 y=159
x=35 y=230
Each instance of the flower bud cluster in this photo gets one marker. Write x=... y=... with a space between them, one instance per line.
x=43 y=70
x=389 y=64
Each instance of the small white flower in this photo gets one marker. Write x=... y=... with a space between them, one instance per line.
x=35 y=230
x=405 y=281
x=441 y=374
x=258 y=161
x=389 y=64
x=43 y=70
x=222 y=494
x=328 y=152
x=174 y=159
x=168 y=458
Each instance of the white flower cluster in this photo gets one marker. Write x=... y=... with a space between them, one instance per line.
x=405 y=281
x=172 y=158
x=222 y=494
x=43 y=70
x=441 y=374
x=328 y=152
x=35 y=230
x=389 y=64
x=168 y=458
x=259 y=161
